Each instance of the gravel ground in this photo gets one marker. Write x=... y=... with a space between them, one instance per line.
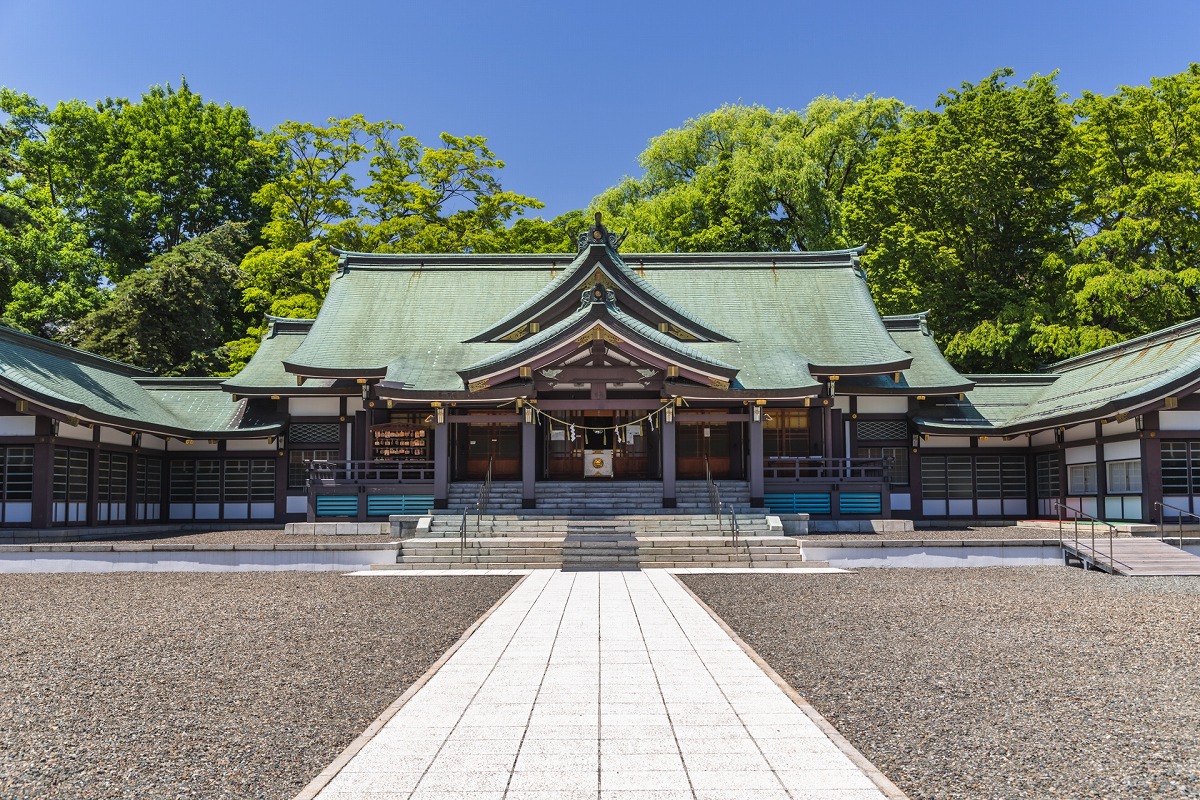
x=207 y=685
x=1008 y=682
x=929 y=534
x=244 y=537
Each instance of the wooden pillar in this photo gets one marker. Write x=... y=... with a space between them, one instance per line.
x=529 y=460
x=93 y=490
x=441 y=459
x=1101 y=474
x=1152 y=486
x=43 y=474
x=668 y=457
x=757 y=498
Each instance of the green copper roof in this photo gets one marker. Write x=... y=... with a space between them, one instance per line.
x=80 y=384
x=406 y=318
x=1120 y=378
x=265 y=373
x=929 y=372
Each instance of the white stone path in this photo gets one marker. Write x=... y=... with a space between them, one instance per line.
x=599 y=686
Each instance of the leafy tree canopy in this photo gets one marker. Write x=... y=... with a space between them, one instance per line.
x=747 y=178
x=174 y=317
x=966 y=211
x=143 y=176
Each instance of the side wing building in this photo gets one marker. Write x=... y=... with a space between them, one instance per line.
x=424 y=375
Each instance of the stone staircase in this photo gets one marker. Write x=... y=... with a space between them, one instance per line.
x=599 y=525
x=598 y=498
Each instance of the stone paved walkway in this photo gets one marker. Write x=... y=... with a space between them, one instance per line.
x=600 y=686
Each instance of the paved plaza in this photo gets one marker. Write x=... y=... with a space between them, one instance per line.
x=600 y=685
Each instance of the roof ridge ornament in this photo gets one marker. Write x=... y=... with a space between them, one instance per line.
x=597 y=234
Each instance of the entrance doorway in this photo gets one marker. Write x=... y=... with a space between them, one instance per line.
x=696 y=441
x=483 y=442
x=612 y=436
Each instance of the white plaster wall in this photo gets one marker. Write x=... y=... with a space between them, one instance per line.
x=1085 y=431
x=114 y=436
x=842 y=403
x=1080 y=455
x=249 y=445
x=197 y=446
x=882 y=405
x=354 y=404
x=16 y=513
x=994 y=442
x=297 y=505
x=151 y=442
x=934 y=442
x=1042 y=437
x=902 y=502
x=1118 y=451
x=1179 y=420
x=314 y=406
x=22 y=425
x=1117 y=428
x=66 y=431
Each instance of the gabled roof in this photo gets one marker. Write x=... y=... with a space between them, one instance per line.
x=599 y=264
x=1122 y=378
x=77 y=383
x=410 y=319
x=265 y=374
x=593 y=315
x=930 y=373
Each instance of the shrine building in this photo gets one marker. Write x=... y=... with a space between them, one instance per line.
x=772 y=374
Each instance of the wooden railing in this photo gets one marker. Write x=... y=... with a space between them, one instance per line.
x=797 y=468
x=335 y=473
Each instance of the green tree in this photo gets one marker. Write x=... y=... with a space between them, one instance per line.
x=143 y=176
x=747 y=178
x=966 y=211
x=417 y=199
x=1136 y=177
x=174 y=317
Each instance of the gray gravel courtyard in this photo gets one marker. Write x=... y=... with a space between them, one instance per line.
x=208 y=685
x=1006 y=682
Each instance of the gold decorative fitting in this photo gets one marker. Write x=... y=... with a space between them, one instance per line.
x=598 y=334
x=1170 y=402
x=526 y=372
x=342 y=418
x=597 y=463
x=274 y=397
x=22 y=406
x=672 y=371
x=478 y=386
x=360 y=381
x=920 y=397
x=189 y=441
x=371 y=404
x=600 y=277
x=517 y=335
x=534 y=327
x=718 y=383
x=680 y=334
x=212 y=441
x=835 y=377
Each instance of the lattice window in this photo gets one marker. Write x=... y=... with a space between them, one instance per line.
x=301 y=433
x=1048 y=483
x=882 y=430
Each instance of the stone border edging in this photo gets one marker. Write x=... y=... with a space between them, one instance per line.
x=326 y=775
x=910 y=543
x=881 y=781
x=151 y=547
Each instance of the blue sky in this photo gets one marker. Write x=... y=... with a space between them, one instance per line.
x=569 y=93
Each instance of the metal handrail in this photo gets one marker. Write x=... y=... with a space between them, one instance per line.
x=1079 y=512
x=714 y=494
x=1179 y=512
x=735 y=530
x=481 y=504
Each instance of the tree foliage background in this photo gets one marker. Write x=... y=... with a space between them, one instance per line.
x=164 y=230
